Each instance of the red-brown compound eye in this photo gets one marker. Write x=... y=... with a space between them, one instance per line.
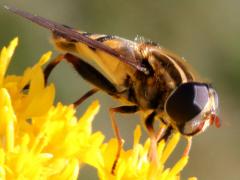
x=185 y=106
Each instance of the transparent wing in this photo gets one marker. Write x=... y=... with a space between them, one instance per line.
x=73 y=35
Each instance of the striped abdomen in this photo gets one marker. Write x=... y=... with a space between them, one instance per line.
x=115 y=70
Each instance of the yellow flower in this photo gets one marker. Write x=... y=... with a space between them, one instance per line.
x=39 y=140
x=135 y=164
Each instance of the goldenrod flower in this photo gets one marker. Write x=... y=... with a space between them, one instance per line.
x=135 y=164
x=41 y=141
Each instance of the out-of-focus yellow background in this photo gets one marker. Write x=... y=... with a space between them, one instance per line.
x=206 y=33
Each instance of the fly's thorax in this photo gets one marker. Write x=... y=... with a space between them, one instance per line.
x=166 y=73
x=151 y=92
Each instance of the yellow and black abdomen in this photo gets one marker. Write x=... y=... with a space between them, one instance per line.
x=115 y=70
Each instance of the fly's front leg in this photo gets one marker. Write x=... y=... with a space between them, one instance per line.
x=149 y=121
x=163 y=133
x=121 y=109
x=188 y=146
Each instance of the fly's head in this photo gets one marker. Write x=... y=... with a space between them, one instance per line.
x=192 y=107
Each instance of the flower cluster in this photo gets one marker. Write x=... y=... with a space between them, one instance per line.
x=40 y=140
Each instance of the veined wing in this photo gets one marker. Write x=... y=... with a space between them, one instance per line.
x=73 y=35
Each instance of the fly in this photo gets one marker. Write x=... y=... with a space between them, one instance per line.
x=145 y=77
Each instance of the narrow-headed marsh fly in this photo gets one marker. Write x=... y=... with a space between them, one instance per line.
x=145 y=77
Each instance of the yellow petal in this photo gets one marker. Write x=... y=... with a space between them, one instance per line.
x=5 y=57
x=29 y=73
x=192 y=178
x=40 y=99
x=178 y=167
x=70 y=171
x=170 y=147
x=137 y=135
x=7 y=119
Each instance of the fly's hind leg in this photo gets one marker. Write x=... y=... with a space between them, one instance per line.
x=48 y=69
x=121 y=109
x=85 y=96
x=91 y=75
x=86 y=71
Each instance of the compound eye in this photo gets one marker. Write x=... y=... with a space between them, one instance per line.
x=185 y=105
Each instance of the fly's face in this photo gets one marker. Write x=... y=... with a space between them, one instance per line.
x=192 y=107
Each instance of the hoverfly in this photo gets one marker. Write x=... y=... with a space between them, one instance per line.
x=143 y=75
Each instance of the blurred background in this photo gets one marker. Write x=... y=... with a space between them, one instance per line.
x=206 y=33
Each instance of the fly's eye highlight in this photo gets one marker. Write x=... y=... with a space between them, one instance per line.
x=185 y=104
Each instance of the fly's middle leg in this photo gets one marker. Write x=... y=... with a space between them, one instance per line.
x=113 y=111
